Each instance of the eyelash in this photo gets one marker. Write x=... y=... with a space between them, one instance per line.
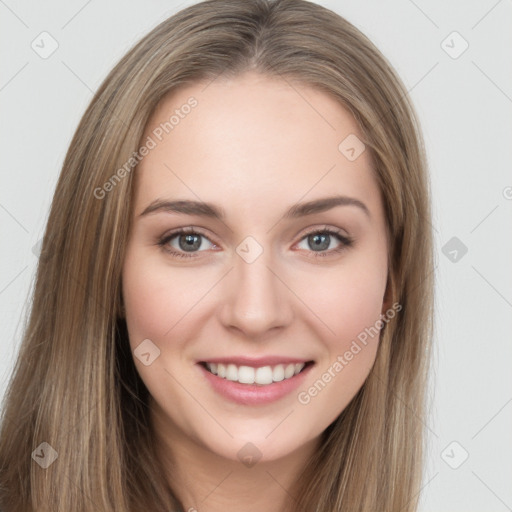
x=345 y=241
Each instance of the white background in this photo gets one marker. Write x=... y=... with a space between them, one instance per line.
x=465 y=107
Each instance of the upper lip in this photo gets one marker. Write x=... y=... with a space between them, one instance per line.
x=255 y=362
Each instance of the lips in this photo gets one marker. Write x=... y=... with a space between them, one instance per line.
x=254 y=385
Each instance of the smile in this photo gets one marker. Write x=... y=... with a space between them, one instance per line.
x=259 y=384
x=261 y=376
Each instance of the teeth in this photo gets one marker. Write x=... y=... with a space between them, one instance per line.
x=263 y=375
x=248 y=375
x=232 y=372
x=278 y=373
x=289 y=371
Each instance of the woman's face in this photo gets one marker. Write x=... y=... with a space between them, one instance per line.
x=253 y=292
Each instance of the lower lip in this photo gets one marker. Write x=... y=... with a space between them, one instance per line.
x=252 y=394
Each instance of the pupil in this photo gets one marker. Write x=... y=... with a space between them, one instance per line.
x=191 y=242
x=318 y=243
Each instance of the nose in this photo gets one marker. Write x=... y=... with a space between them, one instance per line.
x=256 y=298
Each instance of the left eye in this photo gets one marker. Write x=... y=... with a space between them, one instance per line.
x=321 y=240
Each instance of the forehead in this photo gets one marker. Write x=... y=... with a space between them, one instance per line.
x=252 y=141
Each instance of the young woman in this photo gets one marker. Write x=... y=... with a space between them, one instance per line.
x=233 y=305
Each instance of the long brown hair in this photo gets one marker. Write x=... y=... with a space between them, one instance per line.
x=75 y=386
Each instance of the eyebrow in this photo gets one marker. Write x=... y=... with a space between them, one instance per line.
x=203 y=209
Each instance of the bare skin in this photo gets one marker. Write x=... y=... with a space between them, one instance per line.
x=254 y=147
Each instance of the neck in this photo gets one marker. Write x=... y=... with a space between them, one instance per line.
x=204 y=481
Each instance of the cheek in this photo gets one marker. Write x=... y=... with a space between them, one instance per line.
x=148 y=307
x=350 y=304
x=157 y=299
x=159 y=306
x=347 y=301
